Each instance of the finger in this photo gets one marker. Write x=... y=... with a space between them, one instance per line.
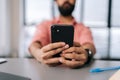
x=76 y=44
x=71 y=64
x=53 y=46
x=51 y=61
x=78 y=50
x=78 y=57
x=71 y=49
x=53 y=52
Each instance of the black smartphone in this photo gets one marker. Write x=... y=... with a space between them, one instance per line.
x=62 y=33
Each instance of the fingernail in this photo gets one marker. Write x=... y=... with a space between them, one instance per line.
x=67 y=46
x=61 y=60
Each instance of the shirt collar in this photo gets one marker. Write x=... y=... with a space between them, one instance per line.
x=57 y=20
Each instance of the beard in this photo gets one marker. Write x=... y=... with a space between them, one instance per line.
x=66 y=9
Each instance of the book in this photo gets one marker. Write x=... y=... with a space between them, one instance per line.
x=115 y=76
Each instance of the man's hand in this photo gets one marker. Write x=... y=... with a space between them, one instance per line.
x=74 y=57
x=46 y=53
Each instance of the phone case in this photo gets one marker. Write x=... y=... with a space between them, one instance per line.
x=62 y=33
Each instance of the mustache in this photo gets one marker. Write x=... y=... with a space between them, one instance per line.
x=66 y=3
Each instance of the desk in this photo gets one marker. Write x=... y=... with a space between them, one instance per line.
x=36 y=71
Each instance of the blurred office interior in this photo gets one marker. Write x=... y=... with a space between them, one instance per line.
x=18 y=20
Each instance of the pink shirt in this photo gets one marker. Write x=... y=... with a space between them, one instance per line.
x=82 y=34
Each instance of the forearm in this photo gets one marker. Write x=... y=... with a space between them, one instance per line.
x=89 y=46
x=34 y=47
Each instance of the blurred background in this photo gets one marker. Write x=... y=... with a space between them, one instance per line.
x=18 y=20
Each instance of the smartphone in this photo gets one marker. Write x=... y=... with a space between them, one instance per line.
x=62 y=33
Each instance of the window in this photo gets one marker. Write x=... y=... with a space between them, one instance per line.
x=35 y=11
x=96 y=13
x=93 y=13
x=116 y=13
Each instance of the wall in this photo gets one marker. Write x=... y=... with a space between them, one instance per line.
x=10 y=21
x=4 y=29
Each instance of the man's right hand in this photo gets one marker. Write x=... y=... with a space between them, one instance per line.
x=46 y=53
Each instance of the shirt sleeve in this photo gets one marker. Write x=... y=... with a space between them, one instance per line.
x=41 y=34
x=86 y=36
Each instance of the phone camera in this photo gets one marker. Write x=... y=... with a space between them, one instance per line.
x=58 y=30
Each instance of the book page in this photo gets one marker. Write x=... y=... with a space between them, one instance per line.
x=115 y=76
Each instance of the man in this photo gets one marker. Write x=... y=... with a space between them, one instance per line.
x=78 y=55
